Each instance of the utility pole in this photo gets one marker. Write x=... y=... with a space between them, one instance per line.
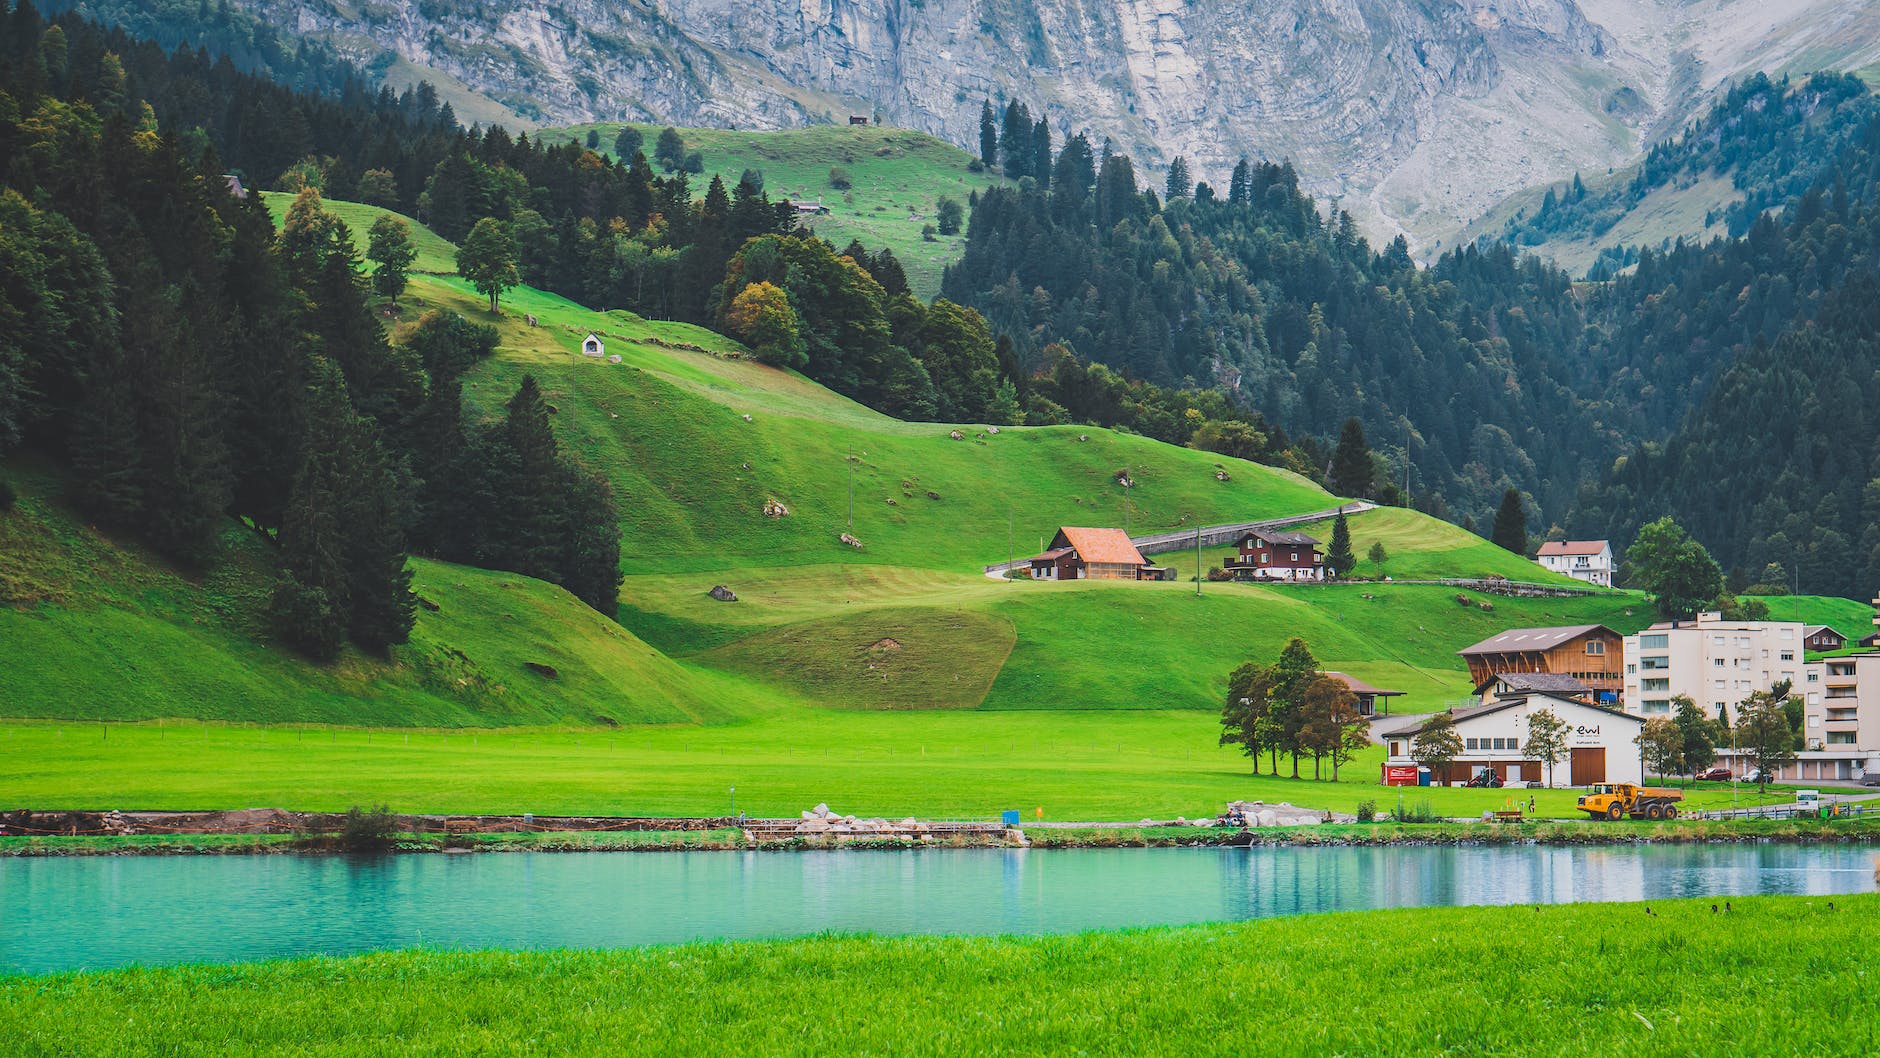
x=1197 y=559
x=851 y=462
x=1010 y=557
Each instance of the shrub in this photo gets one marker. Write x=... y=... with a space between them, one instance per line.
x=1421 y=812
x=1487 y=607
x=1464 y=600
x=839 y=179
x=368 y=830
x=1367 y=811
x=929 y=233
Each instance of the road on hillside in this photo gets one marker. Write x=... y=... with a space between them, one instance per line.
x=1211 y=535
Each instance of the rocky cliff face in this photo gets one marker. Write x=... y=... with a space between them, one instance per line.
x=1417 y=114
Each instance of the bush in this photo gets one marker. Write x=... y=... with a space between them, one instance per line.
x=929 y=233
x=1367 y=811
x=839 y=179
x=1464 y=600
x=1421 y=812
x=368 y=830
x=7 y=496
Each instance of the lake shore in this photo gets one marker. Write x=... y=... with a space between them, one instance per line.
x=678 y=837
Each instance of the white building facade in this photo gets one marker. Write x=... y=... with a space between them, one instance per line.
x=1717 y=663
x=1587 y=560
x=1603 y=744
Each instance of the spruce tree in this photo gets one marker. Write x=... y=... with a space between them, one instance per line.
x=376 y=512
x=1510 y=529
x=1180 y=183
x=988 y=135
x=534 y=510
x=1339 y=558
x=1041 y=153
x=590 y=557
x=1351 y=462
x=311 y=605
x=1015 y=140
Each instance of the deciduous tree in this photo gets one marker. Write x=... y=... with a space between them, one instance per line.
x=1546 y=740
x=389 y=246
x=1661 y=745
x=487 y=258
x=1437 y=744
x=1763 y=727
x=1674 y=569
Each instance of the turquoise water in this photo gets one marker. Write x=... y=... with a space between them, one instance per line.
x=96 y=912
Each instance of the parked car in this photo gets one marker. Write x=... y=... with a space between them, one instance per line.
x=1756 y=775
x=1872 y=778
x=1716 y=774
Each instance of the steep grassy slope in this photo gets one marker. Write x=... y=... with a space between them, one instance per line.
x=669 y=427
x=435 y=254
x=897 y=178
x=94 y=628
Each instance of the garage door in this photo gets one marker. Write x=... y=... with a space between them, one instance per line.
x=1589 y=765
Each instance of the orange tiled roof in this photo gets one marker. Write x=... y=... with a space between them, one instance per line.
x=1102 y=545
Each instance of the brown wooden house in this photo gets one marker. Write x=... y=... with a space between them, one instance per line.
x=1822 y=638
x=1267 y=554
x=1368 y=696
x=1078 y=553
x=1592 y=654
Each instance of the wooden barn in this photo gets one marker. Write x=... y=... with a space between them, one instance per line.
x=1591 y=654
x=1823 y=639
x=1079 y=553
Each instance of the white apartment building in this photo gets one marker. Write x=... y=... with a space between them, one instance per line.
x=1717 y=662
x=1587 y=560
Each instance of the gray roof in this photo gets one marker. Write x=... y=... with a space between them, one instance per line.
x=1358 y=686
x=1518 y=640
x=1473 y=711
x=1544 y=682
x=1274 y=537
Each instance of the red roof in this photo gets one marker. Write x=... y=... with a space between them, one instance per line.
x=1573 y=547
x=1099 y=545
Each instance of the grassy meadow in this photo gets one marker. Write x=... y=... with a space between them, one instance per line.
x=1774 y=979
x=436 y=256
x=1119 y=766
x=897 y=177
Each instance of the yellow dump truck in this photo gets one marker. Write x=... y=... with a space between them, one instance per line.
x=1613 y=800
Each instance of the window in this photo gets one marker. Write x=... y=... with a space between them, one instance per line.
x=1840 y=738
x=1661 y=684
x=1716 y=663
x=1742 y=641
x=1265 y=558
x=1654 y=663
x=1656 y=705
x=1631 y=668
x=1718 y=641
x=1814 y=677
x=1595 y=647
x=1787 y=655
x=1396 y=749
x=1657 y=641
x=1471 y=743
x=1295 y=556
x=1788 y=633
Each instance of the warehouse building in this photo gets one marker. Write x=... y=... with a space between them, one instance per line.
x=1602 y=744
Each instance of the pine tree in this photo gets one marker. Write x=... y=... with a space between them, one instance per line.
x=988 y=135
x=590 y=557
x=1240 y=185
x=534 y=510
x=1015 y=140
x=311 y=604
x=1041 y=153
x=376 y=512
x=1180 y=183
x=1510 y=528
x=1339 y=558
x=1352 y=468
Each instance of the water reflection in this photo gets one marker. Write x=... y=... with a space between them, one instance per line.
x=111 y=911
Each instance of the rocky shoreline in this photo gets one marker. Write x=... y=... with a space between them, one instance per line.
x=272 y=831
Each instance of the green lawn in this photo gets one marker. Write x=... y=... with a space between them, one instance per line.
x=435 y=254
x=1577 y=979
x=897 y=178
x=1080 y=766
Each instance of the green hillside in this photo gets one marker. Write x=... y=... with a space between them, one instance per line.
x=897 y=178
x=96 y=629
x=435 y=254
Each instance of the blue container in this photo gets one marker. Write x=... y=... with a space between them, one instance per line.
x=1423 y=776
x=1009 y=817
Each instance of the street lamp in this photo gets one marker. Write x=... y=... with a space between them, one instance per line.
x=734 y=801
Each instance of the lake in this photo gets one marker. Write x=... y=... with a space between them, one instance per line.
x=95 y=912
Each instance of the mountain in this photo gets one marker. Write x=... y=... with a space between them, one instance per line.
x=1419 y=116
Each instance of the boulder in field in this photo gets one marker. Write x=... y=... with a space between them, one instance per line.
x=722 y=593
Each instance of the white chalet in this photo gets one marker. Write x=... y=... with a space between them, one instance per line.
x=1587 y=560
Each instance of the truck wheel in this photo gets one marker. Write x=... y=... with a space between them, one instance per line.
x=1671 y=811
x=1654 y=811
x=1615 y=811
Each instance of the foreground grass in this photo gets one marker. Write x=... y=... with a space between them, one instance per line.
x=1080 y=766
x=1772 y=979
